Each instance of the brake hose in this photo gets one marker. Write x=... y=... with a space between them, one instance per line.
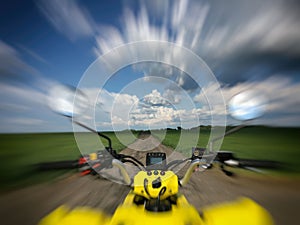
x=146 y=187
x=161 y=192
x=134 y=159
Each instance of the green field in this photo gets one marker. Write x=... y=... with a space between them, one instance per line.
x=278 y=144
x=20 y=151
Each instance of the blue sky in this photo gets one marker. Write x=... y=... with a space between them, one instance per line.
x=246 y=44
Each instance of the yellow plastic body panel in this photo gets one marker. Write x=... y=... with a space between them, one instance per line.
x=78 y=216
x=182 y=214
x=243 y=211
x=168 y=180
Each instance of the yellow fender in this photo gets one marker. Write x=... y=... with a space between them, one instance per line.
x=243 y=211
x=78 y=216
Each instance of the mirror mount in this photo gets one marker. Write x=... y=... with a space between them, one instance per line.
x=62 y=101
x=94 y=131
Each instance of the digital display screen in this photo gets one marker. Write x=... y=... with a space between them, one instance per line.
x=156 y=160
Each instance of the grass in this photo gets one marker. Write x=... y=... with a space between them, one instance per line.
x=20 y=152
x=184 y=144
x=278 y=144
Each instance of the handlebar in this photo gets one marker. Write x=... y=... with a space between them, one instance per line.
x=195 y=163
x=260 y=163
x=123 y=170
x=68 y=164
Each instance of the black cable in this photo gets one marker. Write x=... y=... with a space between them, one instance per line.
x=146 y=187
x=130 y=157
x=161 y=192
x=176 y=163
x=130 y=161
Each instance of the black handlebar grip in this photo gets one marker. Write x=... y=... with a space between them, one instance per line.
x=258 y=163
x=68 y=164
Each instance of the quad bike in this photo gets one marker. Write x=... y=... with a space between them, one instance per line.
x=155 y=198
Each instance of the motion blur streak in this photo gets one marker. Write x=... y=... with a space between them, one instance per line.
x=245 y=43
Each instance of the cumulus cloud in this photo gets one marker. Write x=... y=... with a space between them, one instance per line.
x=125 y=111
x=155 y=98
x=172 y=96
x=156 y=115
x=68 y=17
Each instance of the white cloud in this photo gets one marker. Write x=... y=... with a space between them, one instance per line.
x=273 y=27
x=112 y=109
x=281 y=92
x=124 y=111
x=152 y=70
x=8 y=106
x=68 y=17
x=155 y=98
x=24 y=109
x=172 y=96
x=25 y=122
x=32 y=54
x=11 y=65
x=210 y=30
x=156 y=116
x=21 y=94
x=140 y=28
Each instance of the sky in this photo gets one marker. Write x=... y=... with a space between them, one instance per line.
x=241 y=45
